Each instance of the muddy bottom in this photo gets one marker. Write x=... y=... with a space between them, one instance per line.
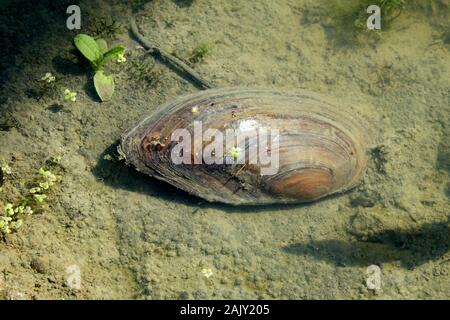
x=105 y=231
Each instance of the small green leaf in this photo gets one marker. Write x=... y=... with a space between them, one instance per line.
x=104 y=85
x=88 y=47
x=113 y=53
x=103 y=45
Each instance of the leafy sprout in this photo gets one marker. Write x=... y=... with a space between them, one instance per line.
x=235 y=152
x=70 y=95
x=200 y=52
x=98 y=54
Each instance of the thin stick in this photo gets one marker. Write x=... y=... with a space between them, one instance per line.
x=171 y=59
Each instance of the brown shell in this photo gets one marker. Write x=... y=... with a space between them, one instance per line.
x=321 y=146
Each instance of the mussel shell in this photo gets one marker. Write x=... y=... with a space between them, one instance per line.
x=321 y=146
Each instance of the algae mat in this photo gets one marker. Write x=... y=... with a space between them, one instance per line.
x=130 y=236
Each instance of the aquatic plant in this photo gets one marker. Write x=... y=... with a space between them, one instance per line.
x=194 y=109
x=48 y=77
x=70 y=95
x=40 y=198
x=234 y=152
x=107 y=157
x=98 y=54
x=44 y=86
x=5 y=219
x=207 y=272
x=5 y=168
x=200 y=52
x=12 y=215
x=391 y=7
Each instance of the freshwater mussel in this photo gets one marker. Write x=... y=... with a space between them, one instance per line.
x=250 y=146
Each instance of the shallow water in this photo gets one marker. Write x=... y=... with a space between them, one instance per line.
x=131 y=236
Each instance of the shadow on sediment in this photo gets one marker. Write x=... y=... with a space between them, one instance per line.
x=183 y=3
x=411 y=247
x=118 y=175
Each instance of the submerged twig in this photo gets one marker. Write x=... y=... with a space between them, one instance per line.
x=171 y=59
